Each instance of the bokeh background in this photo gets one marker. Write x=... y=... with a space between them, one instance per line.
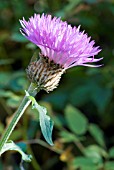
x=82 y=107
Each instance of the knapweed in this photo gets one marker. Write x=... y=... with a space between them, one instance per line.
x=62 y=47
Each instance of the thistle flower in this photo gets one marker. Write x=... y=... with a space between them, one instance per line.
x=62 y=47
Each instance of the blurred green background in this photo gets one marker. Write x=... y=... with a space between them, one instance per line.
x=82 y=107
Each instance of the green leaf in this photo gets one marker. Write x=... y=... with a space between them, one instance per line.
x=111 y=152
x=33 y=126
x=46 y=123
x=1 y=164
x=6 y=61
x=80 y=95
x=109 y=165
x=67 y=136
x=13 y=101
x=6 y=77
x=97 y=133
x=57 y=96
x=91 y=1
x=1 y=128
x=101 y=97
x=91 y=153
x=17 y=134
x=4 y=93
x=77 y=122
x=59 y=120
x=95 y=153
x=84 y=163
x=18 y=37
x=12 y=146
x=22 y=145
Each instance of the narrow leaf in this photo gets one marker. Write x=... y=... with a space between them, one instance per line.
x=46 y=123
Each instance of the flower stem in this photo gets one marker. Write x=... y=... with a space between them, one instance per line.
x=32 y=90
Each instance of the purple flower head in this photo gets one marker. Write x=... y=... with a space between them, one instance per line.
x=61 y=43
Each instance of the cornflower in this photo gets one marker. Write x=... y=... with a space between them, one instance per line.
x=62 y=47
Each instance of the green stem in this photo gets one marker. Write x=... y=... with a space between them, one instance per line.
x=34 y=162
x=32 y=90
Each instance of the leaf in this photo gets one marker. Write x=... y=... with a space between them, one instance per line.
x=59 y=120
x=17 y=133
x=91 y=1
x=111 y=152
x=101 y=97
x=67 y=136
x=95 y=153
x=13 y=101
x=80 y=95
x=33 y=127
x=6 y=77
x=22 y=145
x=57 y=96
x=68 y=8
x=1 y=128
x=6 y=61
x=12 y=146
x=109 y=165
x=97 y=133
x=18 y=37
x=84 y=163
x=77 y=122
x=4 y=93
x=1 y=164
x=46 y=123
